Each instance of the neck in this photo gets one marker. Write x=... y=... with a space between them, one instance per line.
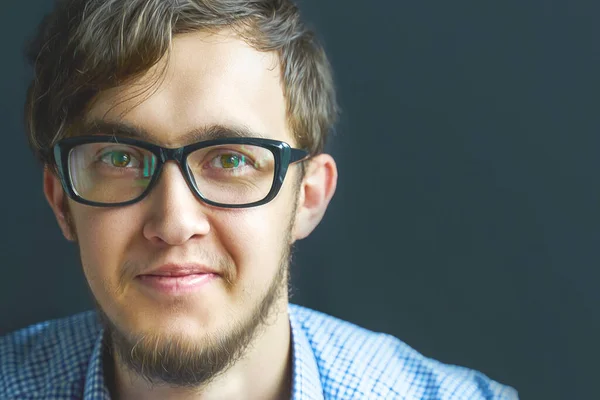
x=264 y=372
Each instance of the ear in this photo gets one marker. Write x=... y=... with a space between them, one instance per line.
x=316 y=190
x=58 y=202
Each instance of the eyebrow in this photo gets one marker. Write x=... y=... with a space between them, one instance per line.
x=209 y=132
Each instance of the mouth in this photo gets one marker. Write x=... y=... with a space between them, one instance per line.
x=177 y=283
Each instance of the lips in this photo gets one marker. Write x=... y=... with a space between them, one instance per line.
x=178 y=279
x=177 y=285
x=176 y=270
x=174 y=273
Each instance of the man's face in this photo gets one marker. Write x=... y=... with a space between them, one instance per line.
x=209 y=80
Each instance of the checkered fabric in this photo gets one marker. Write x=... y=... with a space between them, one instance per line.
x=332 y=359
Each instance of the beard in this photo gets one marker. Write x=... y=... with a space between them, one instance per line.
x=176 y=361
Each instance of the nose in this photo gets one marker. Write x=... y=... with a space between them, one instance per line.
x=175 y=215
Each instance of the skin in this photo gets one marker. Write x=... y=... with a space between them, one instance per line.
x=210 y=79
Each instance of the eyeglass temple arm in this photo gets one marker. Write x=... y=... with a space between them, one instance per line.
x=298 y=155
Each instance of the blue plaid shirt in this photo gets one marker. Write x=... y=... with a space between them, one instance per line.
x=332 y=359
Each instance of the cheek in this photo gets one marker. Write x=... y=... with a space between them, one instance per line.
x=103 y=239
x=255 y=239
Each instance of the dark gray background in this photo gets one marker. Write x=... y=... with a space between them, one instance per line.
x=466 y=218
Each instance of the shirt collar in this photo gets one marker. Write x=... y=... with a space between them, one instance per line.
x=306 y=380
x=95 y=384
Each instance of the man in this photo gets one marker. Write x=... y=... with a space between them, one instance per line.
x=183 y=151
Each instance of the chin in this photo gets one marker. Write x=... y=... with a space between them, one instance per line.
x=178 y=320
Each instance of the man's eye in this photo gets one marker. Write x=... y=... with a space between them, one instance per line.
x=119 y=159
x=231 y=160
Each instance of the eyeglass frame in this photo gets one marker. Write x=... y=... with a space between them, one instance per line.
x=284 y=156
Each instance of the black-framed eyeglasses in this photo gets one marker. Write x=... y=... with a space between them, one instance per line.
x=110 y=171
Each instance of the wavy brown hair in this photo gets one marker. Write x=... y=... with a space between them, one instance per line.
x=86 y=46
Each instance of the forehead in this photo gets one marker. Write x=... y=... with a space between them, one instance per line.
x=206 y=80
